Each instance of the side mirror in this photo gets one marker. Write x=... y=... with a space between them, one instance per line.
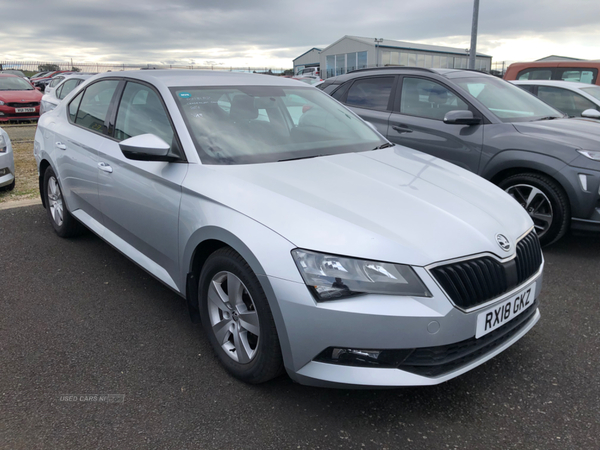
x=37 y=88
x=591 y=114
x=461 y=117
x=146 y=147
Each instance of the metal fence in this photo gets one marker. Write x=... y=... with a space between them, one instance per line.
x=39 y=66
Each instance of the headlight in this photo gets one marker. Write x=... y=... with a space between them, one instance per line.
x=2 y=144
x=590 y=154
x=1 y=103
x=331 y=277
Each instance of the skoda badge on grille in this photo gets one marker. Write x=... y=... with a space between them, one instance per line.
x=503 y=242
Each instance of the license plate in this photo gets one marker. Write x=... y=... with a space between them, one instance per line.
x=507 y=310
x=19 y=110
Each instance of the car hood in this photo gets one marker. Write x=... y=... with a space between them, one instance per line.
x=574 y=133
x=21 y=96
x=396 y=205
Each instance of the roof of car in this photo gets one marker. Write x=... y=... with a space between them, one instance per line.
x=183 y=78
x=450 y=73
x=557 y=83
x=9 y=75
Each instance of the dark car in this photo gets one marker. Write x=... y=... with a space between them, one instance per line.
x=549 y=163
x=44 y=79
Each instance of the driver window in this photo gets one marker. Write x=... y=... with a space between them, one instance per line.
x=425 y=98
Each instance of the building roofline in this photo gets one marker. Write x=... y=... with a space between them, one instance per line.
x=306 y=52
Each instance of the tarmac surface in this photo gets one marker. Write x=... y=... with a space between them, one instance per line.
x=95 y=353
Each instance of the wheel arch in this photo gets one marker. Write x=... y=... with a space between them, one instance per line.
x=201 y=245
x=515 y=162
x=44 y=164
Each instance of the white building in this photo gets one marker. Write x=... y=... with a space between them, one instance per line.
x=354 y=52
x=307 y=59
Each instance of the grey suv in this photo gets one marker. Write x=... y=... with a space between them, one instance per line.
x=550 y=164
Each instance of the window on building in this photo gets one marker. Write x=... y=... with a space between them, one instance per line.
x=330 y=66
x=412 y=59
x=362 y=60
x=404 y=59
x=421 y=60
x=395 y=58
x=385 y=57
x=428 y=61
x=340 y=64
x=436 y=61
x=351 y=62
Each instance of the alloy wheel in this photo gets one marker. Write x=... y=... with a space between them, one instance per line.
x=55 y=201
x=536 y=203
x=233 y=317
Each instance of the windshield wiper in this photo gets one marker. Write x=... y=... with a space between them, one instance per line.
x=386 y=145
x=299 y=157
x=549 y=118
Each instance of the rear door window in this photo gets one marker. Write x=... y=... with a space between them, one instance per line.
x=564 y=100
x=579 y=75
x=94 y=105
x=371 y=93
x=535 y=74
x=67 y=87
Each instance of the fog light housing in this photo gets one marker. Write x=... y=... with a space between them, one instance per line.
x=364 y=358
x=4 y=171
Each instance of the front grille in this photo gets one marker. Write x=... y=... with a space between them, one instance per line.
x=529 y=256
x=435 y=361
x=475 y=281
x=23 y=105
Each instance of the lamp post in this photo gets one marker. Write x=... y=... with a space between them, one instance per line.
x=473 y=49
x=377 y=42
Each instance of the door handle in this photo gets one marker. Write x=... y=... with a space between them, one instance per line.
x=104 y=167
x=61 y=146
x=402 y=128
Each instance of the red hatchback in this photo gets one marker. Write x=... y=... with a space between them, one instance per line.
x=18 y=99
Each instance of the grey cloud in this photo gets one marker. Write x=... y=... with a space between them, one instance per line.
x=147 y=32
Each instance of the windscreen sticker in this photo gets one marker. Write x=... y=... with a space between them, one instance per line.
x=185 y=94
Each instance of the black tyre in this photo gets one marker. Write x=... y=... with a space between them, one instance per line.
x=237 y=319
x=544 y=200
x=63 y=222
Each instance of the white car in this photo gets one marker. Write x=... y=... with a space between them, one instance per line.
x=54 y=94
x=7 y=163
x=300 y=237
x=572 y=98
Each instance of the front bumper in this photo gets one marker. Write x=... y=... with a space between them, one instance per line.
x=390 y=323
x=8 y=113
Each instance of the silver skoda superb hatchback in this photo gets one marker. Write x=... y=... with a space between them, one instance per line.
x=301 y=238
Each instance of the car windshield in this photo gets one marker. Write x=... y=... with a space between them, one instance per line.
x=594 y=91
x=506 y=101
x=258 y=124
x=41 y=74
x=14 y=84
